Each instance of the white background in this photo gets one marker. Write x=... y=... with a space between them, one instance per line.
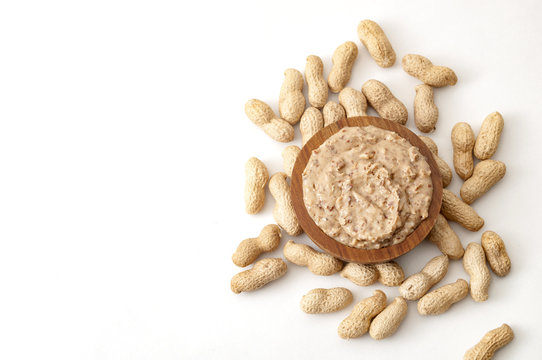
x=123 y=140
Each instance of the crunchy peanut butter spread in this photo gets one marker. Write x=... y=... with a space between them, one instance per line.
x=367 y=187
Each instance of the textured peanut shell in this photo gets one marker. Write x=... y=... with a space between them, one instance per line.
x=262 y=273
x=382 y=100
x=353 y=102
x=491 y=342
x=488 y=138
x=415 y=286
x=375 y=40
x=321 y=301
x=289 y=156
x=446 y=239
x=425 y=110
x=360 y=274
x=486 y=174
x=262 y=115
x=312 y=121
x=249 y=249
x=333 y=112
x=474 y=263
x=256 y=176
x=343 y=59
x=463 y=142
x=496 y=254
x=454 y=209
x=291 y=98
x=317 y=262
x=430 y=143
x=387 y=322
x=283 y=212
x=423 y=69
x=440 y=300
x=390 y=273
x=316 y=84
x=358 y=322
x=444 y=169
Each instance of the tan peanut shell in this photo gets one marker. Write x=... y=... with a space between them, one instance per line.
x=358 y=322
x=446 y=239
x=382 y=100
x=425 y=110
x=474 y=263
x=321 y=301
x=291 y=98
x=333 y=112
x=249 y=249
x=387 y=322
x=491 y=342
x=488 y=138
x=283 y=212
x=256 y=177
x=343 y=59
x=486 y=174
x=454 y=209
x=262 y=115
x=390 y=273
x=262 y=273
x=318 y=263
x=373 y=38
x=415 y=286
x=316 y=84
x=289 y=156
x=463 y=142
x=423 y=69
x=444 y=169
x=312 y=121
x=440 y=300
x=360 y=274
x=430 y=143
x=353 y=102
x=496 y=254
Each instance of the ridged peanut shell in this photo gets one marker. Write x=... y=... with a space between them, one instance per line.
x=474 y=263
x=359 y=320
x=454 y=209
x=291 y=98
x=375 y=40
x=256 y=177
x=311 y=122
x=321 y=301
x=317 y=262
x=343 y=59
x=387 y=322
x=333 y=112
x=353 y=102
x=488 y=138
x=440 y=300
x=360 y=274
x=384 y=102
x=496 y=254
x=316 y=84
x=425 y=110
x=486 y=174
x=262 y=273
x=423 y=69
x=249 y=249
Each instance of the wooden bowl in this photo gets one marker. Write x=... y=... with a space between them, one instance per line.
x=336 y=248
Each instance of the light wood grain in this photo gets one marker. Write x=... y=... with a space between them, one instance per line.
x=329 y=244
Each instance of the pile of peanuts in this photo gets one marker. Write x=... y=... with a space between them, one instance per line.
x=373 y=314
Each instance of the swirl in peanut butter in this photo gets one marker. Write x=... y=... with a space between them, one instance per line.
x=367 y=187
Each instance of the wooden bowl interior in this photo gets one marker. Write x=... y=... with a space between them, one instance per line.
x=336 y=248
